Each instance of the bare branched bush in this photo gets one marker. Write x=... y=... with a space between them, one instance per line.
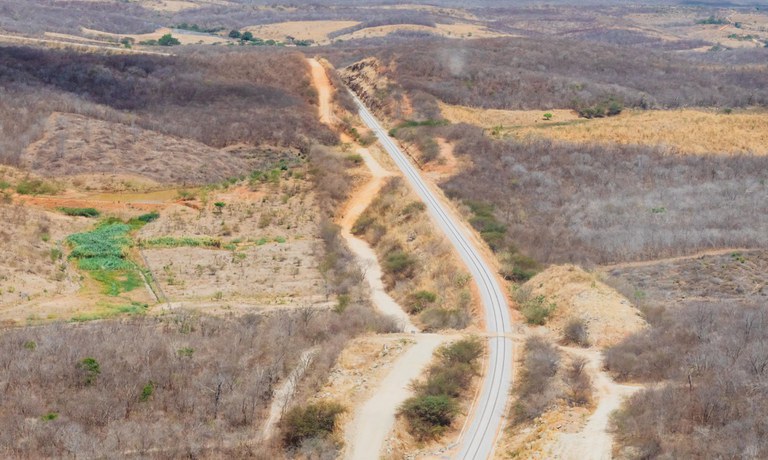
x=578 y=382
x=83 y=388
x=710 y=361
x=575 y=331
x=536 y=389
x=603 y=203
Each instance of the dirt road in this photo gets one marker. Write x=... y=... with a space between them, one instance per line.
x=373 y=421
x=324 y=91
x=593 y=442
x=364 y=254
x=361 y=199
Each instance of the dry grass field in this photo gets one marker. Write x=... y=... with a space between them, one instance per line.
x=268 y=254
x=182 y=36
x=685 y=131
x=679 y=131
x=316 y=31
x=506 y=119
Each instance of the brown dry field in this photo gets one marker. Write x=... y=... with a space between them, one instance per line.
x=681 y=131
x=74 y=144
x=301 y=30
x=676 y=23
x=738 y=276
x=272 y=262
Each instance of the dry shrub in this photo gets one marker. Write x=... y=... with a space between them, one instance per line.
x=536 y=389
x=709 y=362
x=575 y=331
x=578 y=383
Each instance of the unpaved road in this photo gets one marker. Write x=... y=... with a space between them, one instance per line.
x=479 y=440
x=366 y=433
x=361 y=199
x=324 y=91
x=593 y=442
x=364 y=254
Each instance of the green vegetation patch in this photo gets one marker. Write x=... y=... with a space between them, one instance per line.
x=80 y=212
x=316 y=420
x=432 y=410
x=484 y=221
x=103 y=248
x=29 y=186
x=416 y=124
x=178 y=242
x=111 y=311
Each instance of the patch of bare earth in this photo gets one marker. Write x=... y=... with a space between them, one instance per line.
x=363 y=364
x=267 y=256
x=33 y=267
x=609 y=316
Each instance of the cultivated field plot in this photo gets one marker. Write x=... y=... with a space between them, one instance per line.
x=32 y=262
x=258 y=245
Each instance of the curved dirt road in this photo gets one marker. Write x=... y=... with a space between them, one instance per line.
x=478 y=441
x=365 y=255
x=361 y=199
x=593 y=442
x=365 y=435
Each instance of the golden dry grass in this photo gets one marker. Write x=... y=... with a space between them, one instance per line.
x=458 y=30
x=489 y=118
x=682 y=131
x=300 y=30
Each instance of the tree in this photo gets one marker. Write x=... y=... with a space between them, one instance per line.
x=90 y=369
x=547 y=116
x=247 y=36
x=168 y=40
x=234 y=34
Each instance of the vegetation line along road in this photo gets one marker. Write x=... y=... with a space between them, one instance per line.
x=478 y=440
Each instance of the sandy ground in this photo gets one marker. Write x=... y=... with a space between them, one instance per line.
x=609 y=316
x=324 y=91
x=592 y=442
x=301 y=30
x=446 y=166
x=366 y=434
x=364 y=253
